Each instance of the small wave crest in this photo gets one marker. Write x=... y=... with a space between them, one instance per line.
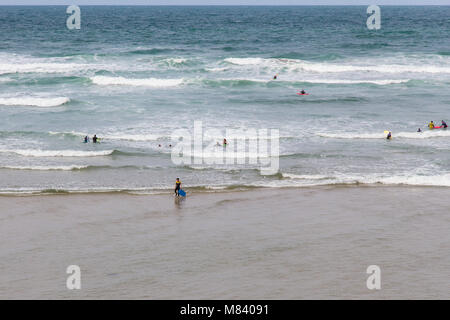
x=436 y=133
x=57 y=153
x=148 y=82
x=46 y=168
x=34 y=101
x=396 y=67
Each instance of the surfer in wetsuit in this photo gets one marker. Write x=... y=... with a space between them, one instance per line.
x=302 y=92
x=389 y=136
x=94 y=138
x=177 y=187
x=275 y=77
x=444 y=125
x=86 y=139
x=419 y=130
x=431 y=125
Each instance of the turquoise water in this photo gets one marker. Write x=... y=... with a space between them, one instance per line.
x=134 y=75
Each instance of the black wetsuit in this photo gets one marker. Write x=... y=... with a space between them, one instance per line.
x=177 y=187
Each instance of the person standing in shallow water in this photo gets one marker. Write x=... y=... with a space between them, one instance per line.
x=177 y=187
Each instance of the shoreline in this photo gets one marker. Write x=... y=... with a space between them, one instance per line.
x=205 y=190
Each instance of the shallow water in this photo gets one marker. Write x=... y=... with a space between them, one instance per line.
x=308 y=243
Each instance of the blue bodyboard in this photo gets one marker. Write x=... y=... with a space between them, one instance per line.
x=182 y=193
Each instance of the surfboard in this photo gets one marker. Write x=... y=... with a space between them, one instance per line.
x=303 y=94
x=182 y=193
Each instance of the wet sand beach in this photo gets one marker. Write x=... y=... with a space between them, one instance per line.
x=304 y=243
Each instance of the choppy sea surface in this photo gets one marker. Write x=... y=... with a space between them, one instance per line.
x=135 y=75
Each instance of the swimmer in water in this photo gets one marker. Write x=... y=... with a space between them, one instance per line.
x=389 y=136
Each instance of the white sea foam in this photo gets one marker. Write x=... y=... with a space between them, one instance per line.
x=113 y=136
x=305 y=176
x=216 y=69
x=34 y=101
x=175 y=61
x=39 y=67
x=380 y=82
x=340 y=81
x=316 y=180
x=246 y=61
x=414 y=66
x=148 y=82
x=392 y=69
x=75 y=133
x=57 y=153
x=132 y=137
x=45 y=168
x=403 y=179
x=436 y=133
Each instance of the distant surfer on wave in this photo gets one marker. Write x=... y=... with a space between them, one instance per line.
x=389 y=136
x=443 y=124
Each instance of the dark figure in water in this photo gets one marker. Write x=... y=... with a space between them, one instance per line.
x=302 y=92
x=94 y=138
x=389 y=136
x=275 y=77
x=419 y=130
x=86 y=139
x=444 y=125
x=177 y=186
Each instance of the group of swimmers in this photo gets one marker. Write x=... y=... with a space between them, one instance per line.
x=94 y=139
x=431 y=125
x=224 y=144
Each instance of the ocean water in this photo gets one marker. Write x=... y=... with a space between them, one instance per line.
x=135 y=75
